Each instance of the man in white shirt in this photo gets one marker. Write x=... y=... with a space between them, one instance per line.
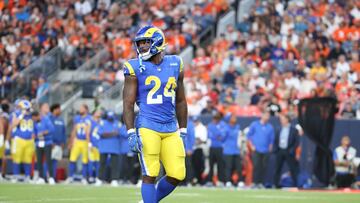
x=198 y=158
x=83 y=7
x=342 y=66
x=344 y=159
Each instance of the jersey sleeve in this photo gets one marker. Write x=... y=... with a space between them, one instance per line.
x=129 y=69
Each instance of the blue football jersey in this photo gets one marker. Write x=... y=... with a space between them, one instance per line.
x=94 y=133
x=25 y=129
x=80 y=124
x=156 y=92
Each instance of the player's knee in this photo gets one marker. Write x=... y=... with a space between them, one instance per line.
x=148 y=179
x=179 y=174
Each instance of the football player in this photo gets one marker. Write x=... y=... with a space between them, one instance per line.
x=94 y=155
x=22 y=145
x=154 y=82
x=79 y=143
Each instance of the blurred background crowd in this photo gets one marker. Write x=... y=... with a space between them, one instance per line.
x=280 y=54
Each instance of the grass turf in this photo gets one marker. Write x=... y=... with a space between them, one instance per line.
x=77 y=193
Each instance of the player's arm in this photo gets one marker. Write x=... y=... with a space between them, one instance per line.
x=15 y=122
x=181 y=104
x=8 y=132
x=87 y=132
x=129 y=98
x=72 y=137
x=2 y=127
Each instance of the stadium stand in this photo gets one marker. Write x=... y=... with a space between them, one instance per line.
x=281 y=51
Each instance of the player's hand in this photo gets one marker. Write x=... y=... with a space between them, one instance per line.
x=183 y=135
x=134 y=141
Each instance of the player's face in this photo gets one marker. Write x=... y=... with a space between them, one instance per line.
x=143 y=45
x=82 y=110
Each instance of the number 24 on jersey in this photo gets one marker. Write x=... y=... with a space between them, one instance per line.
x=168 y=91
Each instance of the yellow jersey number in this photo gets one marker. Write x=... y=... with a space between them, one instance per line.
x=168 y=91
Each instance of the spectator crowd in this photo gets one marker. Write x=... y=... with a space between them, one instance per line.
x=81 y=28
x=282 y=52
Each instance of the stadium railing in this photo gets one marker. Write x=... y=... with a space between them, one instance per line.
x=244 y=9
x=47 y=65
x=69 y=82
x=224 y=21
x=69 y=88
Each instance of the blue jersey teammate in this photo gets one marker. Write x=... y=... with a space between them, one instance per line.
x=155 y=82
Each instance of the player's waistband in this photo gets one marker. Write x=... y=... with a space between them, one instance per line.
x=169 y=127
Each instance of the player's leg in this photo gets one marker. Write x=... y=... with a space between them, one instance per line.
x=74 y=155
x=2 y=160
x=16 y=151
x=96 y=162
x=91 y=164
x=28 y=153
x=172 y=156
x=85 y=160
x=150 y=163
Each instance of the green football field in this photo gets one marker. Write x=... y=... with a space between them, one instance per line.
x=77 y=193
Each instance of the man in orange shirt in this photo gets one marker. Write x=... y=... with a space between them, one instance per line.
x=341 y=33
